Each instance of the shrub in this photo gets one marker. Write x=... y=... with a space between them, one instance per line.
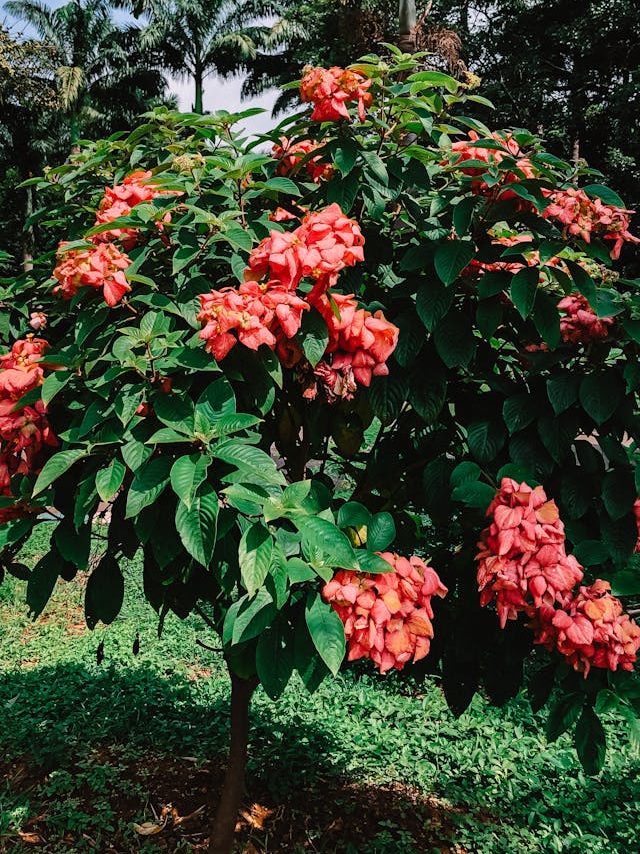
x=298 y=373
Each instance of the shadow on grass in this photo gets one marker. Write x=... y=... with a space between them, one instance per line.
x=85 y=753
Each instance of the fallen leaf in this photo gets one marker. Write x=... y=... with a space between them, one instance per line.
x=148 y=828
x=30 y=838
x=257 y=816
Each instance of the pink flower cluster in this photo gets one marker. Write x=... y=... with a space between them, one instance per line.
x=24 y=430
x=466 y=150
x=523 y=567
x=119 y=200
x=256 y=313
x=583 y=217
x=522 y=559
x=387 y=617
x=324 y=243
x=359 y=341
x=580 y=324
x=591 y=631
x=291 y=155
x=331 y=89
x=102 y=267
x=266 y=310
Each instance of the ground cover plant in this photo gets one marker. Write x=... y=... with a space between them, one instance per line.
x=90 y=750
x=323 y=386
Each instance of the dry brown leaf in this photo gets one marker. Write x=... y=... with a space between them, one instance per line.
x=30 y=838
x=148 y=828
x=257 y=816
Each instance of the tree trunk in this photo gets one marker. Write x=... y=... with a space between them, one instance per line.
x=408 y=24
x=28 y=237
x=197 y=105
x=224 y=823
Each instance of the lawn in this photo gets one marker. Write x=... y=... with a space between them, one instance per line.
x=93 y=752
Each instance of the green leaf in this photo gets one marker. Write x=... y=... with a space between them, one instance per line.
x=387 y=394
x=105 y=593
x=109 y=479
x=254 y=614
x=462 y=215
x=175 y=411
x=54 y=383
x=216 y=401
x=135 y=454
x=618 y=492
x=250 y=460
x=254 y=554
x=187 y=473
x=590 y=741
x=74 y=545
x=274 y=659
x=148 y=484
x=563 y=714
x=546 y=319
x=583 y=282
x=474 y=494
x=600 y=191
x=451 y=258
x=375 y=167
x=454 y=340
x=41 y=582
x=591 y=553
x=346 y=154
x=562 y=391
x=352 y=514
x=485 y=439
x=427 y=395
x=282 y=185
x=600 y=394
x=56 y=466
x=314 y=336
x=464 y=472
x=433 y=301
x=328 y=540
x=381 y=532
x=524 y=287
x=519 y=411
x=326 y=630
x=489 y=315
x=197 y=526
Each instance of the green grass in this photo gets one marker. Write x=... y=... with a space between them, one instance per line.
x=89 y=748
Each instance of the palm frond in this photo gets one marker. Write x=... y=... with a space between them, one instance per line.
x=71 y=80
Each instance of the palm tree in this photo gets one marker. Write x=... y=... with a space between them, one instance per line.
x=198 y=38
x=104 y=79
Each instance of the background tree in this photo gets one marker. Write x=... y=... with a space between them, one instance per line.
x=198 y=38
x=29 y=130
x=104 y=78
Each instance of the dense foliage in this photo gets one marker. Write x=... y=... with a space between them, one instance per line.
x=292 y=377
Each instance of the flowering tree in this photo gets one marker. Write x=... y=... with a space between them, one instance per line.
x=298 y=378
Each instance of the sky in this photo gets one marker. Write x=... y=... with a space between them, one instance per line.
x=218 y=94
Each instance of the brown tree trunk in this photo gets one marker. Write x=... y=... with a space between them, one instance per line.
x=28 y=237
x=224 y=822
x=408 y=26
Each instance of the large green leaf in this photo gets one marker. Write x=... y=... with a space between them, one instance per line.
x=254 y=555
x=105 y=592
x=326 y=630
x=56 y=466
x=451 y=258
x=187 y=473
x=110 y=478
x=197 y=525
x=381 y=532
x=454 y=340
x=328 y=540
x=274 y=659
x=148 y=484
x=314 y=335
x=524 y=287
x=433 y=301
x=485 y=439
x=600 y=393
x=590 y=741
x=175 y=411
